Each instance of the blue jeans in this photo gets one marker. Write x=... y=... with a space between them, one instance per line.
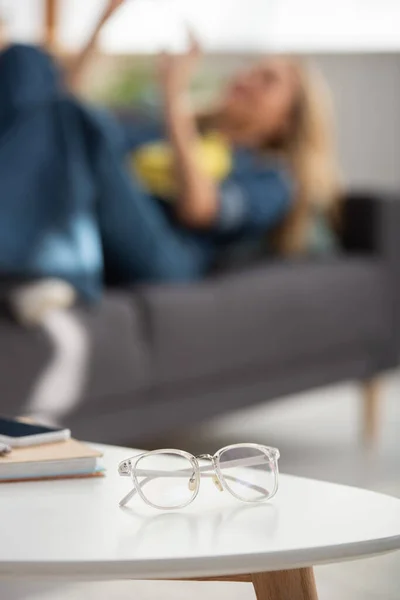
x=140 y=242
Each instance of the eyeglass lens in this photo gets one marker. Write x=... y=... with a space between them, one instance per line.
x=167 y=480
x=248 y=473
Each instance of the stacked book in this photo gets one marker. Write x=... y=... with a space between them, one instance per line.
x=64 y=459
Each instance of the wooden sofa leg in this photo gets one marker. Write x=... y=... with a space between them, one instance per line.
x=371 y=410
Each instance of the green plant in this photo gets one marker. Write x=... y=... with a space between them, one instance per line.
x=134 y=85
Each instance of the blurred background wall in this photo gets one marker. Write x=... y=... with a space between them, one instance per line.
x=366 y=90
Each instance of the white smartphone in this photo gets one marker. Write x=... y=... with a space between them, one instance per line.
x=19 y=433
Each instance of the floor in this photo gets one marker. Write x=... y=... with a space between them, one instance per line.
x=318 y=435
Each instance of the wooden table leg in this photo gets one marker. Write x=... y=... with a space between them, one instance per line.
x=296 y=584
x=371 y=397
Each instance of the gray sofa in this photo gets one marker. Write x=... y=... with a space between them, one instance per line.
x=165 y=357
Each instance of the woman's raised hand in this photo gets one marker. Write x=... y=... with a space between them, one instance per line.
x=111 y=8
x=176 y=70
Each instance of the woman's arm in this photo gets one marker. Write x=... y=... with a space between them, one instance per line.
x=4 y=40
x=78 y=65
x=197 y=202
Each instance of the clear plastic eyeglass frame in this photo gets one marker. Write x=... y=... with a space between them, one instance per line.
x=266 y=455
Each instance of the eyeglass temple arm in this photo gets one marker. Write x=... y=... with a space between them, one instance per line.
x=244 y=462
x=128 y=496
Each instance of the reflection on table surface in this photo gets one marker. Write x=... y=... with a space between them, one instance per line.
x=217 y=528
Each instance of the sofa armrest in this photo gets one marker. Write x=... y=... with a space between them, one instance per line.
x=371 y=225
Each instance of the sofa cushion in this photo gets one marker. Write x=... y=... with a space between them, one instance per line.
x=275 y=314
x=118 y=362
x=104 y=341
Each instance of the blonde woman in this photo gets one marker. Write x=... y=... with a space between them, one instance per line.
x=259 y=167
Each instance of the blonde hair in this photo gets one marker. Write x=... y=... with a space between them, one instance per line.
x=309 y=147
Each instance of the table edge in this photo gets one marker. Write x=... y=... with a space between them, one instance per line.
x=186 y=568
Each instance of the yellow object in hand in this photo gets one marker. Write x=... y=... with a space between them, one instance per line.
x=153 y=164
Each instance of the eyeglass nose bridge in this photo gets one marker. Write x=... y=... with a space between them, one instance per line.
x=205 y=457
x=215 y=476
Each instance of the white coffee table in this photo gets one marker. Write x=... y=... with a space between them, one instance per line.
x=74 y=529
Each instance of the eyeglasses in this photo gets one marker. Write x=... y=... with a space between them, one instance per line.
x=170 y=479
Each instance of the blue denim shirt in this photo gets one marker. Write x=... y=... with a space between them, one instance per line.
x=256 y=195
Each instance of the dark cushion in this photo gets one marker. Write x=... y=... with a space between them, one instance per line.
x=116 y=355
x=274 y=315
x=119 y=353
x=23 y=356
